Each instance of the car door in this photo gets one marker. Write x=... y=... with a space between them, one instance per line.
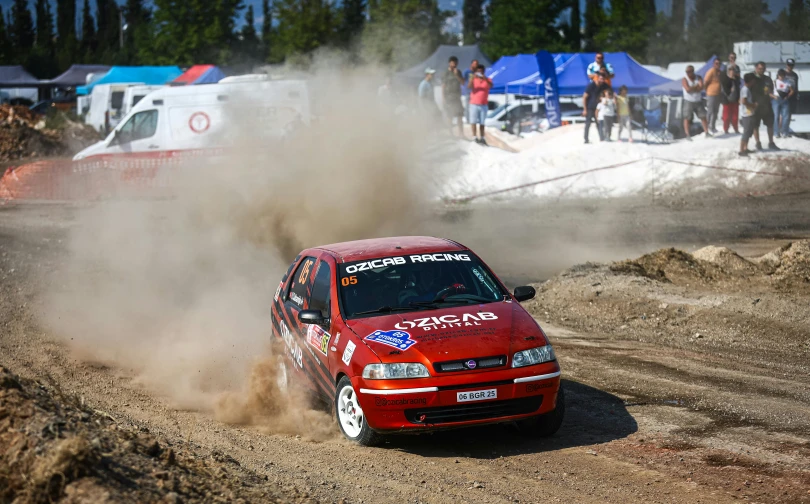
x=306 y=343
x=138 y=134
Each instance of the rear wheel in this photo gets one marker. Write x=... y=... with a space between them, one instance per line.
x=350 y=416
x=547 y=424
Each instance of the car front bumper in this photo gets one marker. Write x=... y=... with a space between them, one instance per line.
x=447 y=401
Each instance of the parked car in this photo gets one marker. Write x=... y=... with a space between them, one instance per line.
x=413 y=334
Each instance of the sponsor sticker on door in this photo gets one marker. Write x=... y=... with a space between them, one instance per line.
x=477 y=395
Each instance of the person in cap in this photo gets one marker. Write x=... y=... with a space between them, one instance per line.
x=793 y=102
x=451 y=95
x=425 y=91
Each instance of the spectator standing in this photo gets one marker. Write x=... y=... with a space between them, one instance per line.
x=784 y=91
x=713 y=93
x=747 y=110
x=762 y=92
x=451 y=95
x=465 y=90
x=732 y=64
x=427 y=101
x=608 y=113
x=623 y=109
x=596 y=67
x=731 y=93
x=693 y=101
x=590 y=100
x=794 y=100
x=479 y=85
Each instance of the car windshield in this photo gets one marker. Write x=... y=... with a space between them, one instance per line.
x=415 y=282
x=495 y=112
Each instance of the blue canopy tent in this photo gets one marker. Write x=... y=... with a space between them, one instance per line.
x=151 y=75
x=674 y=88
x=509 y=69
x=572 y=75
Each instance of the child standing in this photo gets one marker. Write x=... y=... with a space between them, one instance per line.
x=623 y=107
x=747 y=108
x=608 y=113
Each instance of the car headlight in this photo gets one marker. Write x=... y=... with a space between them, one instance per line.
x=395 y=371
x=533 y=356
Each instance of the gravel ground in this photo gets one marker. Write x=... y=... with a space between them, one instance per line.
x=686 y=379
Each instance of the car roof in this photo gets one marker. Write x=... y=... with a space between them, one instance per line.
x=359 y=250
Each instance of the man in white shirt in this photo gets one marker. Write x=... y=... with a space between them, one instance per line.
x=693 y=101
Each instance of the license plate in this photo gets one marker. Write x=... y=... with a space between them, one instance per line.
x=477 y=395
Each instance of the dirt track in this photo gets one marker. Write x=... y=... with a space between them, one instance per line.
x=682 y=388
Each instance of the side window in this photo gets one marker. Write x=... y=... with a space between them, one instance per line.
x=321 y=288
x=298 y=285
x=141 y=125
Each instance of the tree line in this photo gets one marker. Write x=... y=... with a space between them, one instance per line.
x=390 y=32
x=712 y=26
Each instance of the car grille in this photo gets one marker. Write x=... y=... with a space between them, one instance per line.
x=470 y=364
x=470 y=412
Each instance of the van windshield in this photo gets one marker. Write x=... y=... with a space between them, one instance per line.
x=415 y=282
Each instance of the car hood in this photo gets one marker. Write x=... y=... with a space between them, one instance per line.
x=462 y=332
x=96 y=148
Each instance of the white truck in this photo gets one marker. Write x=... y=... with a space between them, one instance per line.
x=203 y=119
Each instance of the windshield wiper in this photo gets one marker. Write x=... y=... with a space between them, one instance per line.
x=390 y=309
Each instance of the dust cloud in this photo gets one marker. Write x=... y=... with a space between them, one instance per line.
x=178 y=290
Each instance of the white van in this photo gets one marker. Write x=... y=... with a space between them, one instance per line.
x=106 y=105
x=174 y=120
x=134 y=94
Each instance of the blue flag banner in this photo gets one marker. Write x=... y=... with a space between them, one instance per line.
x=548 y=80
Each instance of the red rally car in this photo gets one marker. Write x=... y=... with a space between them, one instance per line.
x=410 y=334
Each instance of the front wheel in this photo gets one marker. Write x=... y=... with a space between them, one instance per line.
x=350 y=416
x=547 y=424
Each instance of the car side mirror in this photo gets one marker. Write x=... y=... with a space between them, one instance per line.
x=524 y=293
x=312 y=317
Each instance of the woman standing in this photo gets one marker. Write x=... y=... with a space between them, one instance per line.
x=783 y=92
x=731 y=108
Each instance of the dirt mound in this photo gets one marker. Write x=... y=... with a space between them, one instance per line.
x=726 y=259
x=52 y=448
x=790 y=263
x=671 y=265
x=24 y=134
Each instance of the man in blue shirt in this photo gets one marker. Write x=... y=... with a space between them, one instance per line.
x=597 y=65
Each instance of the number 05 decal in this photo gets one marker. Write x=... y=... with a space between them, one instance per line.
x=347 y=281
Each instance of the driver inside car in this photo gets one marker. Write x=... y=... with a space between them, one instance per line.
x=425 y=284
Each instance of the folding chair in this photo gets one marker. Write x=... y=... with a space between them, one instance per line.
x=655 y=128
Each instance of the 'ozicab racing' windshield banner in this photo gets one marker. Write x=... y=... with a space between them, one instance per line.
x=350 y=268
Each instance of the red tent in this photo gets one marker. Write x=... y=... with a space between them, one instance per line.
x=199 y=74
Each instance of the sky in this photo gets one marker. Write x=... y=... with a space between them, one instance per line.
x=454 y=24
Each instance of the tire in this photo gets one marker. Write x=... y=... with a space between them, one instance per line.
x=352 y=423
x=547 y=424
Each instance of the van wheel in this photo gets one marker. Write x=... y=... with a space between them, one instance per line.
x=350 y=416
x=547 y=424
